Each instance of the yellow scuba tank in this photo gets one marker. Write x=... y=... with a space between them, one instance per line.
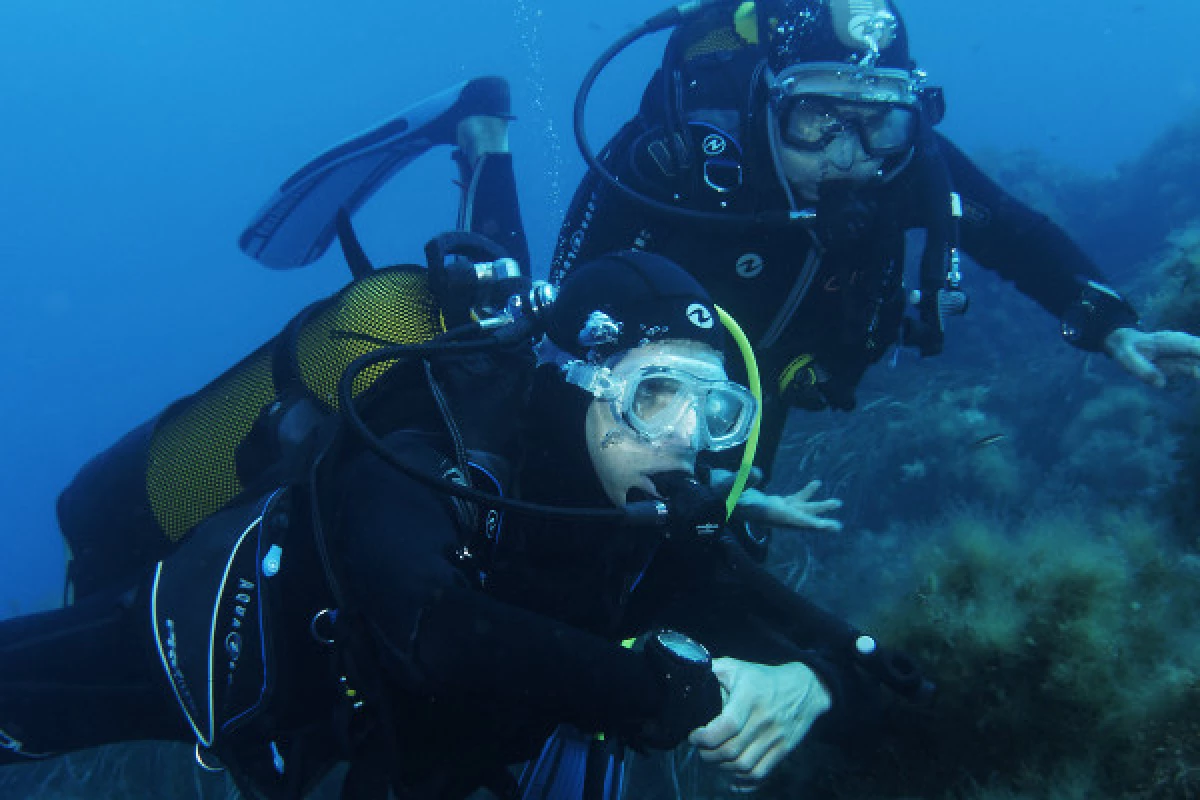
x=254 y=426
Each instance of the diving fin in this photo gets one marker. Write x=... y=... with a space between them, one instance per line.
x=297 y=225
x=574 y=765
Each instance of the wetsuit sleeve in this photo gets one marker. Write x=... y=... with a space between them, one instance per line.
x=1027 y=248
x=711 y=604
x=447 y=640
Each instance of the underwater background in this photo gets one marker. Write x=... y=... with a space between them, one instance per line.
x=1050 y=579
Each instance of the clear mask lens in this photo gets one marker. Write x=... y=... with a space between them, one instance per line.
x=658 y=399
x=812 y=123
x=723 y=413
x=662 y=403
x=890 y=132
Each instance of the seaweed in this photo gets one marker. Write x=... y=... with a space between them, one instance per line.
x=1066 y=656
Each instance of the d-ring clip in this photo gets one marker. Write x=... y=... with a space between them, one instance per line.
x=324 y=617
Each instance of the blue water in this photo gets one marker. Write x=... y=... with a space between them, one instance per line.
x=137 y=138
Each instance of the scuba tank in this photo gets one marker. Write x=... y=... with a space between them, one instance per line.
x=256 y=426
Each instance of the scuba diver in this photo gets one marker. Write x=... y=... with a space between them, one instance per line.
x=435 y=537
x=780 y=153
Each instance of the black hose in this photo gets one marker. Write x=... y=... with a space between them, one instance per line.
x=666 y=19
x=647 y=513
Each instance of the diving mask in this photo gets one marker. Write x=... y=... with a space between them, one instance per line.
x=817 y=103
x=668 y=398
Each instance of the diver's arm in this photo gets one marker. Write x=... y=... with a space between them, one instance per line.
x=713 y=605
x=1027 y=248
x=443 y=639
x=853 y=702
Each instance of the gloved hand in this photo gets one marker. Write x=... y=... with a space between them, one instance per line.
x=768 y=711
x=797 y=510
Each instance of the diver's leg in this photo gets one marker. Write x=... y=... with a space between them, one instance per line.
x=482 y=134
x=489 y=204
x=83 y=676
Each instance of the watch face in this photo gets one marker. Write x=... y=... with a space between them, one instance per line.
x=683 y=647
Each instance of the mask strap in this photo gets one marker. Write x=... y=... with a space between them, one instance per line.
x=774 y=133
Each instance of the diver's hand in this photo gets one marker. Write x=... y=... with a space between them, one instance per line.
x=768 y=711
x=1153 y=357
x=796 y=510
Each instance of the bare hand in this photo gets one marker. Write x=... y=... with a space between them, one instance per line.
x=768 y=711
x=796 y=510
x=1153 y=357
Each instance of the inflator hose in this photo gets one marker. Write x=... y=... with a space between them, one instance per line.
x=669 y=18
x=752 y=376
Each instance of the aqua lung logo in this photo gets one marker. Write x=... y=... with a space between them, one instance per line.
x=181 y=684
x=233 y=639
x=750 y=265
x=575 y=242
x=714 y=144
x=700 y=316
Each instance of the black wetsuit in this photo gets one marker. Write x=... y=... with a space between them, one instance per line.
x=852 y=312
x=477 y=658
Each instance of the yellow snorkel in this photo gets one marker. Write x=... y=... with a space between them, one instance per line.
x=752 y=377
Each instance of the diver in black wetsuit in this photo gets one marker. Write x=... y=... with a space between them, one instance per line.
x=782 y=157
x=433 y=642
x=803 y=136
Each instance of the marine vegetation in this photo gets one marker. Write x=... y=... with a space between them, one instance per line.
x=1067 y=659
x=1175 y=303
x=1183 y=499
x=1117 y=448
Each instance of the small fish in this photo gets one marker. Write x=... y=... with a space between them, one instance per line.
x=990 y=439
